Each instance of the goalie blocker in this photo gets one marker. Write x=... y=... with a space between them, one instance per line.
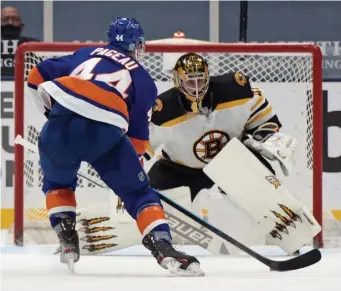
x=251 y=186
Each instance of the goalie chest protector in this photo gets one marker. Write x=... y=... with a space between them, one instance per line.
x=194 y=139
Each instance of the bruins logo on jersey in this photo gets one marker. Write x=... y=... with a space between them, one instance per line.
x=158 y=106
x=240 y=78
x=209 y=145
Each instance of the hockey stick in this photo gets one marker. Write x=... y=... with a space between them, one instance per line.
x=295 y=263
x=298 y=262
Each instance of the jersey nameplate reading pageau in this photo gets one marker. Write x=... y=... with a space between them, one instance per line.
x=122 y=59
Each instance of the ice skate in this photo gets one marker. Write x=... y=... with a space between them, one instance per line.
x=178 y=263
x=69 y=242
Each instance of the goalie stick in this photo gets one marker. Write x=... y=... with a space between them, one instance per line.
x=299 y=262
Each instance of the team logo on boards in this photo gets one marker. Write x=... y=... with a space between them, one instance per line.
x=273 y=180
x=209 y=145
x=96 y=238
x=91 y=221
x=94 y=248
x=240 y=78
x=95 y=229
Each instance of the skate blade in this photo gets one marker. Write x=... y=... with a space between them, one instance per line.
x=69 y=259
x=193 y=270
x=71 y=265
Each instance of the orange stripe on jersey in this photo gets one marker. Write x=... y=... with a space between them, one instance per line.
x=95 y=93
x=34 y=77
x=150 y=149
x=150 y=216
x=139 y=145
x=60 y=198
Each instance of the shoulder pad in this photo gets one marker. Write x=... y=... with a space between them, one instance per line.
x=167 y=107
x=231 y=86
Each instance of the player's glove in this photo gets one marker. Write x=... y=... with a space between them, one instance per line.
x=273 y=145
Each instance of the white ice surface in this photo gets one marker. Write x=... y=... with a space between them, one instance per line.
x=34 y=268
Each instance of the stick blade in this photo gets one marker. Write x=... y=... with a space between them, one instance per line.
x=299 y=262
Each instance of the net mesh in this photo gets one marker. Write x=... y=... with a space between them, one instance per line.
x=284 y=77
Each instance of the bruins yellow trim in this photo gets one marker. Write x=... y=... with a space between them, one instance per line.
x=179 y=119
x=230 y=104
x=259 y=102
x=259 y=115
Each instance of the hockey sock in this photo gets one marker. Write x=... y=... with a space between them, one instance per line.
x=60 y=203
x=152 y=218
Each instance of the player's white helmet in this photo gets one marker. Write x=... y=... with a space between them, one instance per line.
x=191 y=76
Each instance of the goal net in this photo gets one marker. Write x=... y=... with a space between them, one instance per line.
x=289 y=74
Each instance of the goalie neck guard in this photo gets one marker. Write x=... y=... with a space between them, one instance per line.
x=191 y=77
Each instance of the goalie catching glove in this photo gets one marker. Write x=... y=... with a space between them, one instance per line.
x=273 y=145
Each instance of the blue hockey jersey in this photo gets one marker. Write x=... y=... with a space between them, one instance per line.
x=102 y=84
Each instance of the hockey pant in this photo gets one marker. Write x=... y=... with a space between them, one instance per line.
x=66 y=140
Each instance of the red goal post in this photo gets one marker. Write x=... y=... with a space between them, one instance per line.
x=271 y=56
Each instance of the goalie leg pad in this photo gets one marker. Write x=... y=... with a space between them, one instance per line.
x=260 y=194
x=102 y=228
x=303 y=225
x=220 y=211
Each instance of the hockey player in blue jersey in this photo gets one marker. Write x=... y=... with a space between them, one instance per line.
x=98 y=102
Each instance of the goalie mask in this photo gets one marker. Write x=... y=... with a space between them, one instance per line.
x=191 y=77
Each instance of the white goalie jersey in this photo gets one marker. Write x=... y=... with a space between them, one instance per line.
x=232 y=109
